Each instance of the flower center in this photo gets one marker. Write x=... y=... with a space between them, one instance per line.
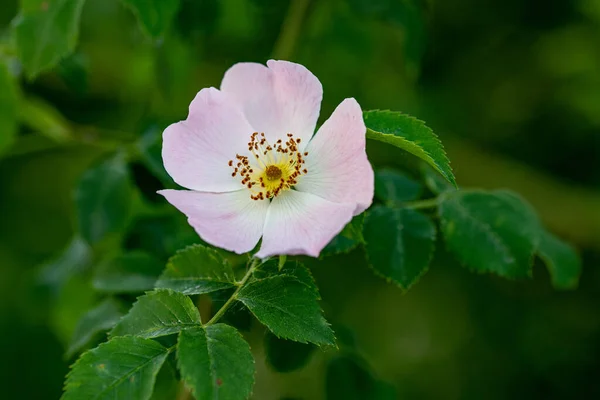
x=272 y=169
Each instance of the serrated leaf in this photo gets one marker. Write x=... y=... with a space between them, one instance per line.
x=350 y=378
x=103 y=198
x=286 y=355
x=97 y=320
x=46 y=31
x=158 y=313
x=562 y=261
x=135 y=271
x=154 y=16
x=348 y=239
x=410 y=134
x=393 y=187
x=291 y=268
x=289 y=308
x=399 y=243
x=195 y=270
x=490 y=231
x=122 y=368
x=8 y=108
x=216 y=362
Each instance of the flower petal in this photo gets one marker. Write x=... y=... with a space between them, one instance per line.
x=228 y=220
x=302 y=223
x=196 y=151
x=337 y=164
x=282 y=98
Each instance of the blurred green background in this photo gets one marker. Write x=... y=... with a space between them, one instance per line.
x=512 y=88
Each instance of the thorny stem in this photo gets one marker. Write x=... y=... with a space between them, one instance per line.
x=420 y=204
x=233 y=297
x=290 y=30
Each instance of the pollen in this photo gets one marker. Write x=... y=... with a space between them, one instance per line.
x=268 y=170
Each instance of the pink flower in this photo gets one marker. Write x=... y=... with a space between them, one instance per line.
x=254 y=169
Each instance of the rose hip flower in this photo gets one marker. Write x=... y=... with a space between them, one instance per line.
x=254 y=169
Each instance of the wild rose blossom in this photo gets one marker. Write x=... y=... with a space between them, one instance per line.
x=254 y=169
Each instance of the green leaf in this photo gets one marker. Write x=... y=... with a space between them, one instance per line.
x=122 y=368
x=289 y=308
x=41 y=117
x=350 y=378
x=195 y=270
x=135 y=271
x=393 y=187
x=167 y=384
x=216 y=362
x=285 y=355
x=46 y=31
x=154 y=16
x=8 y=108
x=97 y=320
x=158 y=313
x=434 y=181
x=347 y=240
x=103 y=198
x=149 y=147
x=410 y=134
x=399 y=244
x=490 y=231
x=76 y=257
x=562 y=261
x=291 y=268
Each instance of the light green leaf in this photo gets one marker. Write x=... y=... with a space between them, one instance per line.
x=399 y=244
x=490 y=231
x=41 y=117
x=46 y=31
x=121 y=369
x=195 y=270
x=347 y=240
x=410 y=134
x=289 y=308
x=154 y=16
x=216 y=363
x=135 y=271
x=99 y=319
x=562 y=261
x=8 y=108
x=76 y=257
x=103 y=198
x=393 y=187
x=158 y=313
x=286 y=355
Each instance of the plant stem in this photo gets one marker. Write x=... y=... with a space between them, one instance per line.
x=420 y=204
x=290 y=30
x=233 y=297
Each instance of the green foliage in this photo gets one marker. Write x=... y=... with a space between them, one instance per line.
x=434 y=181
x=286 y=355
x=46 y=31
x=399 y=244
x=350 y=378
x=348 y=239
x=195 y=270
x=154 y=16
x=410 y=134
x=104 y=199
x=44 y=119
x=135 y=271
x=290 y=268
x=490 y=231
x=159 y=313
x=393 y=187
x=216 y=362
x=75 y=258
x=8 y=107
x=289 y=308
x=562 y=261
x=97 y=320
x=123 y=368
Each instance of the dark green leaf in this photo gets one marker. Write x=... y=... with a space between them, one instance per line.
x=195 y=270
x=562 y=261
x=8 y=108
x=399 y=244
x=155 y=16
x=350 y=378
x=216 y=362
x=285 y=355
x=99 y=319
x=130 y=272
x=434 y=181
x=393 y=187
x=348 y=239
x=46 y=31
x=158 y=313
x=237 y=315
x=291 y=268
x=167 y=384
x=150 y=147
x=123 y=368
x=490 y=231
x=289 y=308
x=410 y=134
x=76 y=257
x=104 y=197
